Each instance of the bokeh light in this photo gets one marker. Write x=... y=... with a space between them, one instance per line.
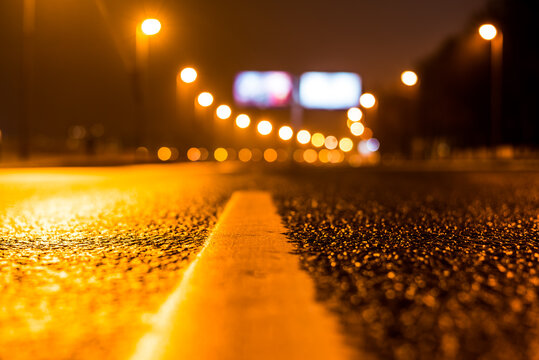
x=164 y=153
x=409 y=78
x=367 y=100
x=323 y=156
x=373 y=144
x=336 y=156
x=205 y=99
x=354 y=114
x=243 y=121
x=204 y=154
x=264 y=127
x=303 y=137
x=318 y=139
x=346 y=144
x=257 y=154
x=194 y=154
x=310 y=156
x=188 y=75
x=150 y=26
x=245 y=155
x=298 y=155
x=282 y=155
x=357 y=129
x=487 y=31
x=286 y=133
x=270 y=155
x=331 y=142
x=220 y=154
x=223 y=112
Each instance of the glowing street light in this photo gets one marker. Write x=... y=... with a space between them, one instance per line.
x=331 y=142
x=367 y=100
x=286 y=132
x=487 y=31
x=243 y=121
x=150 y=26
x=346 y=144
x=303 y=137
x=495 y=37
x=357 y=129
x=205 y=99
x=264 y=127
x=188 y=75
x=318 y=139
x=409 y=78
x=223 y=112
x=354 y=114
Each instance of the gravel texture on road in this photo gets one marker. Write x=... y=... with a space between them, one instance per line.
x=422 y=265
x=86 y=255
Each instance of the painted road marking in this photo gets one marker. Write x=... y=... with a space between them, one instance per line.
x=244 y=297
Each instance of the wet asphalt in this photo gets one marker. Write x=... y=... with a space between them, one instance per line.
x=416 y=264
x=423 y=265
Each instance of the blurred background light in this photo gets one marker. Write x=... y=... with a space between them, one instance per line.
x=188 y=75
x=270 y=155
x=164 y=153
x=220 y=154
x=363 y=148
x=205 y=99
x=310 y=156
x=318 y=139
x=373 y=144
x=331 y=142
x=257 y=154
x=303 y=137
x=263 y=89
x=194 y=154
x=367 y=100
x=150 y=26
x=243 y=121
x=323 y=156
x=357 y=128
x=264 y=127
x=282 y=155
x=245 y=155
x=354 y=114
x=409 y=78
x=298 y=155
x=286 y=133
x=223 y=112
x=488 y=31
x=346 y=144
x=323 y=90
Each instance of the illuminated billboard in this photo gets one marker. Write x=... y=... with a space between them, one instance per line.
x=264 y=89
x=329 y=90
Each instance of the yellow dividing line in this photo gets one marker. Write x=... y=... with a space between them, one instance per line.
x=244 y=297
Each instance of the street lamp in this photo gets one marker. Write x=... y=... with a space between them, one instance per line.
x=146 y=28
x=264 y=127
x=205 y=99
x=188 y=75
x=409 y=78
x=490 y=33
x=367 y=100
x=150 y=26
x=286 y=132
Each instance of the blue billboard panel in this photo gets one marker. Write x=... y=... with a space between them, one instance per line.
x=264 y=89
x=329 y=90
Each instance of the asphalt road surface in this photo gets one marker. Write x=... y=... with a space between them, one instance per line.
x=414 y=264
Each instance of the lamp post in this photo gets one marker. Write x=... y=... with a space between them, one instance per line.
x=490 y=33
x=148 y=27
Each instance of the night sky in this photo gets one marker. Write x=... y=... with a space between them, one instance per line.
x=80 y=77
